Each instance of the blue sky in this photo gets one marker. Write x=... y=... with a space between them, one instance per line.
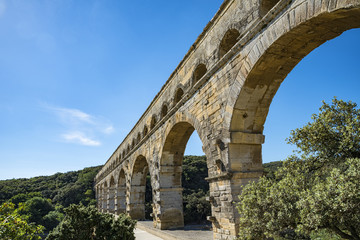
x=75 y=76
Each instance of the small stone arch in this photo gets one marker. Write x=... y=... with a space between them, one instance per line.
x=123 y=154
x=138 y=139
x=133 y=143
x=153 y=122
x=164 y=110
x=145 y=131
x=266 y=6
x=228 y=41
x=199 y=72
x=178 y=95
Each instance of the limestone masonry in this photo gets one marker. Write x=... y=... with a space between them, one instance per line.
x=222 y=89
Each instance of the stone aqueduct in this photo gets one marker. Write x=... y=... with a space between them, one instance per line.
x=222 y=89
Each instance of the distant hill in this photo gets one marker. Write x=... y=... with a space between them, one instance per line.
x=61 y=188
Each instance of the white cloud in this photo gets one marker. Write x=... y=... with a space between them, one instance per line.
x=78 y=125
x=109 y=130
x=71 y=116
x=79 y=138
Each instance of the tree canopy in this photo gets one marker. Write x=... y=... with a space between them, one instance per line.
x=83 y=222
x=316 y=190
x=15 y=226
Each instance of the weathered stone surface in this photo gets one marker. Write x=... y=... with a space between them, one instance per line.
x=222 y=89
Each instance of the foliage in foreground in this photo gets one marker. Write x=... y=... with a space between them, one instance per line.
x=83 y=222
x=316 y=192
x=14 y=226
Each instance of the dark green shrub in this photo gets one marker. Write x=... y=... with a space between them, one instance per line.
x=84 y=223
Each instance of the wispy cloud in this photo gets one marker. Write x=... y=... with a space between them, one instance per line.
x=71 y=116
x=2 y=7
x=78 y=125
x=109 y=130
x=79 y=138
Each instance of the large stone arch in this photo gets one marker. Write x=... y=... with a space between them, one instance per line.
x=170 y=206
x=121 y=192
x=268 y=65
x=136 y=206
x=265 y=62
x=104 y=195
x=111 y=195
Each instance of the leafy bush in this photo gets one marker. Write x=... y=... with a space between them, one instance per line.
x=14 y=226
x=196 y=207
x=82 y=222
x=315 y=193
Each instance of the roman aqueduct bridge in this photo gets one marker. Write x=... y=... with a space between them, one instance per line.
x=222 y=89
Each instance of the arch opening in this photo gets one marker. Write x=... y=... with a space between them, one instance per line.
x=164 y=111
x=104 y=197
x=199 y=72
x=178 y=193
x=138 y=139
x=145 y=131
x=133 y=143
x=178 y=95
x=153 y=122
x=266 y=6
x=229 y=40
x=138 y=189
x=111 y=196
x=121 y=193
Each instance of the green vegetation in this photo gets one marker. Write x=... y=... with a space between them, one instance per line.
x=83 y=222
x=61 y=188
x=41 y=199
x=196 y=188
x=314 y=195
x=15 y=226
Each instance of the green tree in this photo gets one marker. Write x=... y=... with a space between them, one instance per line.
x=52 y=219
x=196 y=207
x=37 y=208
x=82 y=222
x=317 y=190
x=14 y=226
x=334 y=203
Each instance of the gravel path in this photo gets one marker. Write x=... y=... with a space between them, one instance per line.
x=188 y=233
